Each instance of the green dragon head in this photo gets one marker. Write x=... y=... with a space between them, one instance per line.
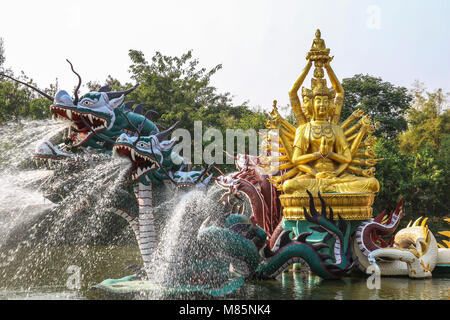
x=150 y=157
x=94 y=117
x=153 y=160
x=98 y=117
x=186 y=180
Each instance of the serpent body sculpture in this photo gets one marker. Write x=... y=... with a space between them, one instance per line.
x=251 y=181
x=235 y=240
x=413 y=251
x=242 y=240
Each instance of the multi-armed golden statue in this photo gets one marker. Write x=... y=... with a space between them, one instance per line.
x=320 y=155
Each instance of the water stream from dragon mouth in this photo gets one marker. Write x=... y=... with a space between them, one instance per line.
x=178 y=233
x=19 y=199
x=60 y=204
x=18 y=139
x=64 y=205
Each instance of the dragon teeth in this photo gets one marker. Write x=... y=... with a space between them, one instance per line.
x=133 y=155
x=91 y=118
x=69 y=114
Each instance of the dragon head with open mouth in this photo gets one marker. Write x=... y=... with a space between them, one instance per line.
x=94 y=113
x=151 y=156
x=415 y=246
x=97 y=118
x=186 y=180
x=153 y=160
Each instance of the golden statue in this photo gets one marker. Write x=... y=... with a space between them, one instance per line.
x=320 y=155
x=318 y=43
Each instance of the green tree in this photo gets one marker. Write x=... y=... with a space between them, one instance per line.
x=18 y=101
x=179 y=90
x=421 y=178
x=382 y=101
x=427 y=142
x=428 y=120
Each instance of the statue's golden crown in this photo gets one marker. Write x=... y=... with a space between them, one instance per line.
x=319 y=88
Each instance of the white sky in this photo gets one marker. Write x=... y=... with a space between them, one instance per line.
x=262 y=44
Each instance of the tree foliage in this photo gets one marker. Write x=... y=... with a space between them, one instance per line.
x=18 y=101
x=179 y=90
x=382 y=101
x=428 y=121
x=417 y=164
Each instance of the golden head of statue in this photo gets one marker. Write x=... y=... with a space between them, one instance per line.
x=320 y=154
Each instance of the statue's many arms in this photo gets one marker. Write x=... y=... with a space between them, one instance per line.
x=320 y=155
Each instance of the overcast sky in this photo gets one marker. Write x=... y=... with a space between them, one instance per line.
x=261 y=44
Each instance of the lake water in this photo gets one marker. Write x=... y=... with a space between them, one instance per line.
x=48 y=273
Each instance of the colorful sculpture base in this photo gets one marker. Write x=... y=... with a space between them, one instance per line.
x=300 y=226
x=350 y=206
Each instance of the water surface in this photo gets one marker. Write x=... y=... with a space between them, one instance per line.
x=49 y=277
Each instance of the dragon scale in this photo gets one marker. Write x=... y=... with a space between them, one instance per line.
x=147 y=233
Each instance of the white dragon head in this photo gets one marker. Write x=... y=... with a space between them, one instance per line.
x=415 y=245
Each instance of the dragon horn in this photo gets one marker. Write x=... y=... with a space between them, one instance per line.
x=75 y=92
x=165 y=133
x=105 y=88
x=307 y=215
x=416 y=223
x=139 y=108
x=128 y=105
x=117 y=94
x=324 y=208
x=302 y=236
x=331 y=214
x=29 y=86
x=399 y=205
x=312 y=208
x=424 y=223
x=151 y=114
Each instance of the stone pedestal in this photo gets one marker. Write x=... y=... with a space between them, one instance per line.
x=350 y=206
